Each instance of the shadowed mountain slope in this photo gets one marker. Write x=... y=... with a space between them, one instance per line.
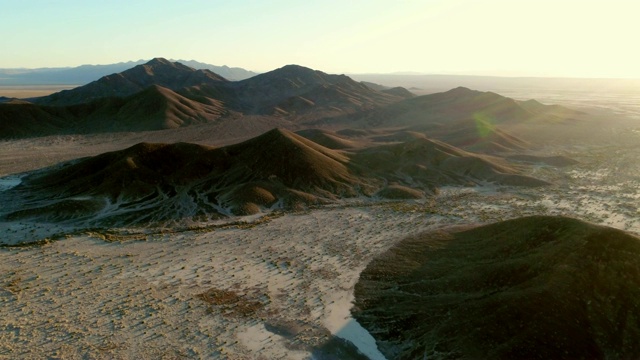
x=156 y=183
x=535 y=287
x=28 y=120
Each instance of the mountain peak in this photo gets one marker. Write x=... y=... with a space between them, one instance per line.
x=159 y=61
x=164 y=65
x=157 y=71
x=295 y=67
x=461 y=90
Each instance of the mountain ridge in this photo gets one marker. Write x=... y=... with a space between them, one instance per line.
x=84 y=74
x=293 y=91
x=152 y=183
x=157 y=71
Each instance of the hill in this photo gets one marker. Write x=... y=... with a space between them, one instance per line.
x=535 y=287
x=158 y=183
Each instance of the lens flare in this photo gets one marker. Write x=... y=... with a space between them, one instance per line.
x=484 y=124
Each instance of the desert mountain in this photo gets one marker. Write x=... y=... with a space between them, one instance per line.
x=155 y=183
x=158 y=71
x=297 y=89
x=535 y=287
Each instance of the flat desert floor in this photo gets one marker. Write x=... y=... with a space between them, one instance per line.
x=28 y=91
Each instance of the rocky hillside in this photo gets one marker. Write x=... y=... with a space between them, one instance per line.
x=536 y=287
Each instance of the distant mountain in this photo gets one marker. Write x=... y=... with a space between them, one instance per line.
x=159 y=183
x=158 y=71
x=230 y=73
x=85 y=74
x=534 y=287
x=62 y=76
x=398 y=90
x=432 y=83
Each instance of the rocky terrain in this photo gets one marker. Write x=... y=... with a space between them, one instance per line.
x=169 y=212
x=154 y=184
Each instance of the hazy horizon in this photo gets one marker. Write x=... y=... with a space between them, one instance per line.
x=394 y=73
x=494 y=38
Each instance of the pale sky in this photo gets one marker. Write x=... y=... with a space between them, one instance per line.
x=588 y=38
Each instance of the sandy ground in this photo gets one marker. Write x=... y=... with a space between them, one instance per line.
x=292 y=279
x=27 y=91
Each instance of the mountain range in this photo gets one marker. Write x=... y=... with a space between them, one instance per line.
x=161 y=94
x=159 y=183
x=112 y=103
x=85 y=74
x=354 y=140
